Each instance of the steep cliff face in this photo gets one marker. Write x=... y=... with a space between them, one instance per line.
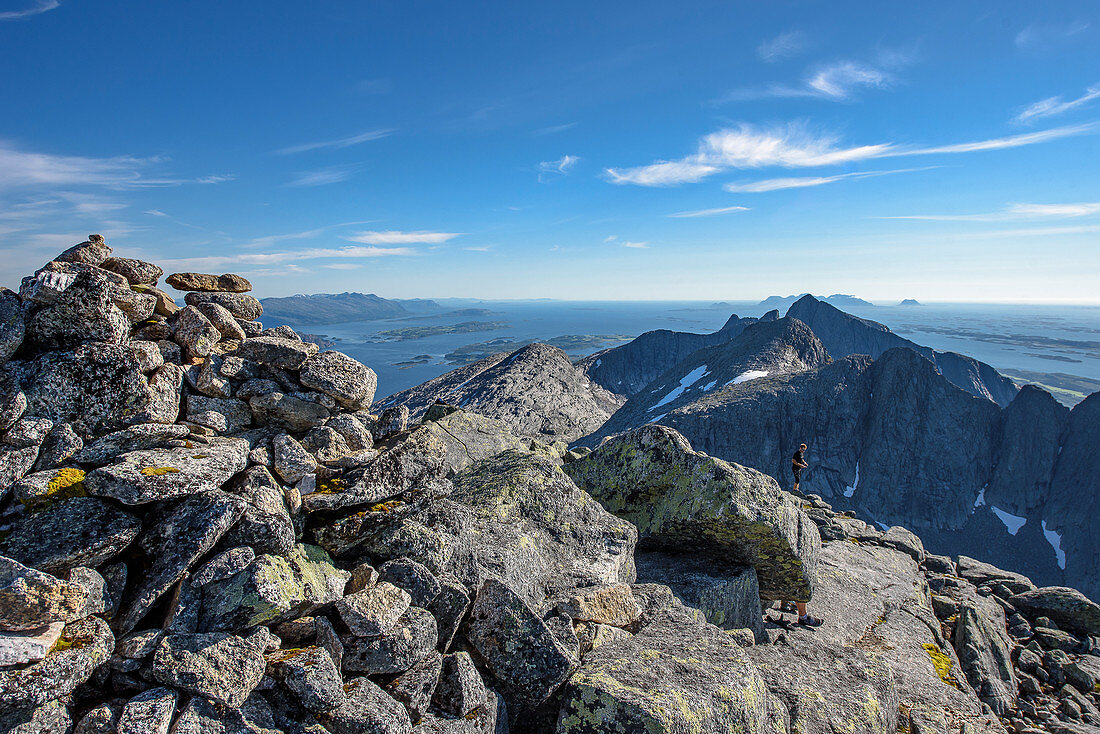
x=1031 y=432
x=844 y=334
x=767 y=348
x=628 y=368
x=535 y=390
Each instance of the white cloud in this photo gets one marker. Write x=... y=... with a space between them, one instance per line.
x=560 y=167
x=21 y=168
x=479 y=248
x=274 y=258
x=392 y=237
x=840 y=80
x=337 y=143
x=782 y=46
x=1056 y=105
x=800 y=182
x=1015 y=212
x=794 y=146
x=322 y=176
x=552 y=129
x=217 y=179
x=710 y=212
x=40 y=6
x=1047 y=37
x=635 y=245
x=611 y=238
x=342 y=266
x=155 y=213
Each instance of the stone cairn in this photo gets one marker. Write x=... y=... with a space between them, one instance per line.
x=205 y=530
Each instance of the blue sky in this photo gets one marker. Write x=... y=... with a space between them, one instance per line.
x=642 y=150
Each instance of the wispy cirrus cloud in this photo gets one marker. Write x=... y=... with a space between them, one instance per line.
x=1057 y=105
x=709 y=212
x=1049 y=37
x=322 y=176
x=783 y=46
x=393 y=237
x=560 y=167
x=552 y=129
x=1015 y=212
x=39 y=7
x=635 y=245
x=290 y=256
x=836 y=81
x=795 y=146
x=338 y=143
x=801 y=182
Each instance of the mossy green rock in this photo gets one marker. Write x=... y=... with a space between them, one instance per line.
x=272 y=589
x=679 y=674
x=686 y=501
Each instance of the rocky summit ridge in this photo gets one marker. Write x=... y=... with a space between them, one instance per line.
x=206 y=527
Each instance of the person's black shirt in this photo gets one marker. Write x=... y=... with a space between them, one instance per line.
x=797 y=460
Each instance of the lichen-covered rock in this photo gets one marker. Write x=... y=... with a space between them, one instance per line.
x=677 y=674
x=266 y=524
x=491 y=717
x=414 y=687
x=516 y=647
x=460 y=689
x=292 y=412
x=30 y=599
x=449 y=608
x=13 y=403
x=612 y=604
x=201 y=716
x=469 y=438
x=393 y=420
x=272 y=589
x=412 y=638
x=164 y=306
x=93 y=251
x=136 y=272
x=132 y=438
x=96 y=387
x=356 y=435
x=222 y=667
x=979 y=573
x=242 y=306
x=194 y=332
x=164 y=398
x=174 y=543
x=148 y=355
x=292 y=461
x=311 y=675
x=149 y=712
x=12 y=326
x=367 y=708
x=680 y=499
x=84 y=312
x=1069 y=608
x=225 y=283
x=984 y=649
x=413 y=577
x=344 y=378
x=236 y=413
x=51 y=718
x=61 y=444
x=375 y=610
x=28 y=646
x=82 y=531
x=326 y=445
x=137 y=307
x=14 y=465
x=86 y=645
x=151 y=475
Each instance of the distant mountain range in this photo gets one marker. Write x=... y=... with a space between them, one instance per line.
x=334 y=308
x=839 y=300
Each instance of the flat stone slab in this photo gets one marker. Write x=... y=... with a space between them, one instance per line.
x=82 y=531
x=152 y=475
x=685 y=501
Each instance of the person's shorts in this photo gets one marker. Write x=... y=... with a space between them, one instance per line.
x=797 y=471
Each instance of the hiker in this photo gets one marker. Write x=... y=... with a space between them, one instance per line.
x=798 y=463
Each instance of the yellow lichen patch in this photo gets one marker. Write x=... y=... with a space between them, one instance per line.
x=941 y=662
x=386 y=506
x=199 y=456
x=66 y=484
x=68 y=642
x=159 y=471
x=331 y=486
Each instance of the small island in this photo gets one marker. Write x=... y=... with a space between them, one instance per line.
x=910 y=302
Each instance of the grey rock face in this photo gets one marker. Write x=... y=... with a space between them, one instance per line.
x=93 y=251
x=670 y=677
x=175 y=543
x=469 y=438
x=311 y=675
x=164 y=399
x=133 y=438
x=226 y=283
x=12 y=326
x=30 y=599
x=535 y=390
x=287 y=354
x=412 y=577
x=410 y=640
x=13 y=402
x=82 y=531
x=729 y=596
x=222 y=320
x=222 y=667
x=516 y=647
x=368 y=708
x=1031 y=429
x=266 y=524
x=1069 y=608
x=236 y=413
x=287 y=411
x=242 y=306
x=292 y=461
x=97 y=387
x=375 y=610
x=84 y=312
x=151 y=475
x=1074 y=497
x=627 y=369
x=983 y=650
x=460 y=688
x=137 y=307
x=905 y=541
x=681 y=499
x=149 y=712
x=338 y=375
x=844 y=334
x=200 y=716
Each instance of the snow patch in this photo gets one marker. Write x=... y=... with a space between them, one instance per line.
x=746 y=376
x=599 y=362
x=849 y=491
x=654 y=420
x=981 y=497
x=882 y=525
x=709 y=386
x=685 y=382
x=1012 y=522
x=1055 y=540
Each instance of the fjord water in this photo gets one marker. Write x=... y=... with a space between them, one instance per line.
x=1038 y=338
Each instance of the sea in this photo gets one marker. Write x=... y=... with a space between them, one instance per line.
x=1032 y=338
